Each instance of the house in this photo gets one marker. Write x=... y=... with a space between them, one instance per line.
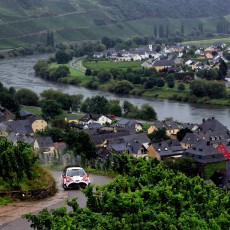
x=224 y=148
x=129 y=123
x=60 y=148
x=3 y=130
x=162 y=64
x=156 y=126
x=171 y=127
x=189 y=140
x=167 y=148
x=37 y=123
x=19 y=126
x=208 y=55
x=15 y=137
x=100 y=139
x=71 y=119
x=44 y=144
x=212 y=125
x=6 y=115
x=134 y=144
x=95 y=118
x=25 y=114
x=179 y=61
x=203 y=153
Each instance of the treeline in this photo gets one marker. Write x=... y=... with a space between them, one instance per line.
x=146 y=195
x=53 y=102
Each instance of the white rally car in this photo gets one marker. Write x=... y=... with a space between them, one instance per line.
x=74 y=177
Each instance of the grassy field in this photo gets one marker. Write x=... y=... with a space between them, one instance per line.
x=102 y=65
x=208 y=41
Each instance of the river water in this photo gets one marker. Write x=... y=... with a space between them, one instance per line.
x=18 y=72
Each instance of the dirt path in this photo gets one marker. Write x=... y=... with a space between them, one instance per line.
x=14 y=210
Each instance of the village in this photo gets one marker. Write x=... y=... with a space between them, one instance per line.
x=175 y=58
x=206 y=142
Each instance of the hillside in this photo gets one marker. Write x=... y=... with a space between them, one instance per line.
x=23 y=21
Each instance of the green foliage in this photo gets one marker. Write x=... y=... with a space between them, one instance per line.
x=64 y=99
x=104 y=76
x=16 y=162
x=180 y=134
x=123 y=87
x=62 y=57
x=95 y=105
x=159 y=134
x=186 y=165
x=27 y=97
x=144 y=196
x=212 y=89
x=147 y=113
x=55 y=133
x=209 y=169
x=51 y=108
x=81 y=144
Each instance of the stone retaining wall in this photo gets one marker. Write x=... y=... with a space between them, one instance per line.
x=32 y=194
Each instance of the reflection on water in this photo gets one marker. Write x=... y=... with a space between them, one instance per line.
x=18 y=72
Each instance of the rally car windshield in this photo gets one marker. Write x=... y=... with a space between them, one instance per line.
x=75 y=172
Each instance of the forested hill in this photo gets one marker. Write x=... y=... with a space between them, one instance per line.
x=23 y=21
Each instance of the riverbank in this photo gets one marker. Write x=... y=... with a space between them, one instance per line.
x=138 y=89
x=19 y=73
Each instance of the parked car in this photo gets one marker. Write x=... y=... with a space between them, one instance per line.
x=75 y=177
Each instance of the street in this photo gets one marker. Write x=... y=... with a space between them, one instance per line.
x=10 y=214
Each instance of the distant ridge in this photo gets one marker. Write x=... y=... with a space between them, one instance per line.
x=23 y=21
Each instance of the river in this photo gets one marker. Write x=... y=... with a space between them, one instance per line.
x=18 y=72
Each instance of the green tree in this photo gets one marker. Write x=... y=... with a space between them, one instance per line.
x=41 y=68
x=181 y=87
x=170 y=81
x=55 y=133
x=123 y=86
x=212 y=89
x=81 y=144
x=223 y=69
x=148 y=113
x=104 y=76
x=62 y=57
x=115 y=108
x=160 y=82
x=186 y=165
x=128 y=107
x=159 y=134
x=27 y=97
x=9 y=102
x=51 y=108
x=180 y=134
x=95 y=105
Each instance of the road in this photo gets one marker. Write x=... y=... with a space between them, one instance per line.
x=77 y=64
x=10 y=217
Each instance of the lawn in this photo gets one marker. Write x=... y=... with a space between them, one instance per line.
x=74 y=73
x=208 y=41
x=31 y=109
x=109 y=64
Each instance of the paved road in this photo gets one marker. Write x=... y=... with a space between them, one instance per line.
x=22 y=224
x=77 y=64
